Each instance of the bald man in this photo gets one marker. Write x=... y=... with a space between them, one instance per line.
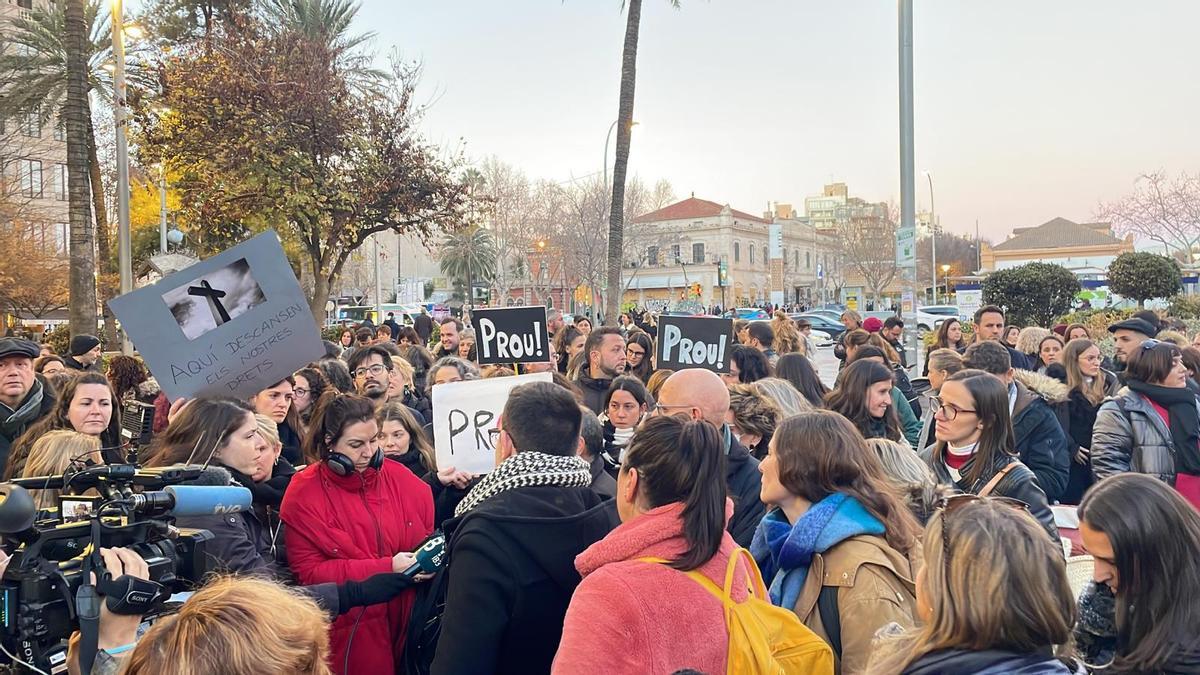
x=703 y=396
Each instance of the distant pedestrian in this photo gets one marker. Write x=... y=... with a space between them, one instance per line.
x=83 y=353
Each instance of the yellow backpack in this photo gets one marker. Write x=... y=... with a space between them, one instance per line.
x=763 y=639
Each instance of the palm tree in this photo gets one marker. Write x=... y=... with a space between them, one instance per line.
x=75 y=112
x=616 y=214
x=469 y=254
x=328 y=22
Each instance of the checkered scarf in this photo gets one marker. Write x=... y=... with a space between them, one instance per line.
x=528 y=469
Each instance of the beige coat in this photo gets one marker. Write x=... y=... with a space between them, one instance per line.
x=876 y=586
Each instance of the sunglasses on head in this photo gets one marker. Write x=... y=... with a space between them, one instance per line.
x=948 y=505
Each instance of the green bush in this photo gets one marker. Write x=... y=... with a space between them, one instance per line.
x=59 y=339
x=1031 y=294
x=1184 y=307
x=1142 y=275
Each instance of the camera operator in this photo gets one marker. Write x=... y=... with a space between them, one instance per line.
x=223 y=432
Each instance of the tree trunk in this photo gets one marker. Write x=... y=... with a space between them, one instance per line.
x=103 y=252
x=616 y=214
x=82 y=247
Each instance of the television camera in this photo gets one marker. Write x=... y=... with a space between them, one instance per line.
x=46 y=591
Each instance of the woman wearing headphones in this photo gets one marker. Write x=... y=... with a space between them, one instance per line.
x=351 y=515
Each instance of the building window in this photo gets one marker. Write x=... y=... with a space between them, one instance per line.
x=31 y=177
x=31 y=124
x=751 y=254
x=60 y=131
x=796 y=255
x=60 y=182
x=808 y=260
x=697 y=253
x=675 y=254
x=652 y=255
x=737 y=252
x=785 y=258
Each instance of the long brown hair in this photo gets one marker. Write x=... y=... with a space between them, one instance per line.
x=990 y=397
x=202 y=428
x=850 y=398
x=1155 y=537
x=787 y=336
x=943 y=336
x=1076 y=380
x=59 y=418
x=395 y=411
x=1005 y=588
x=820 y=453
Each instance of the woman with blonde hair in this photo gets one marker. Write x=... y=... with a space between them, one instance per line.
x=1029 y=342
x=1013 y=614
x=782 y=394
x=237 y=625
x=55 y=452
x=904 y=470
x=657 y=380
x=787 y=337
x=752 y=418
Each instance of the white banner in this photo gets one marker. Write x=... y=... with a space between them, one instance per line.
x=463 y=415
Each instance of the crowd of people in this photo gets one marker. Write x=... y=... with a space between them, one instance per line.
x=640 y=520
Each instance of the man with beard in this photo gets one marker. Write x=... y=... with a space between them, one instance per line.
x=372 y=371
x=448 y=337
x=605 y=349
x=24 y=396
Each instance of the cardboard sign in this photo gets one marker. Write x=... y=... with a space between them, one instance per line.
x=694 y=342
x=231 y=325
x=463 y=415
x=511 y=335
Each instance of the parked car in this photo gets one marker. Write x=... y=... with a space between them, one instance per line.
x=831 y=314
x=821 y=338
x=751 y=313
x=831 y=327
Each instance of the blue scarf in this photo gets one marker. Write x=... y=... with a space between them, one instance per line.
x=785 y=551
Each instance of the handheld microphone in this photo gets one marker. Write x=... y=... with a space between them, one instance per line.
x=431 y=555
x=193 y=500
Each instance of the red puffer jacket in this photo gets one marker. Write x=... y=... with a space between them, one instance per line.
x=342 y=528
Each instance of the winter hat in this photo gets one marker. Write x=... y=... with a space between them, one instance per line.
x=872 y=324
x=1137 y=325
x=1060 y=329
x=82 y=344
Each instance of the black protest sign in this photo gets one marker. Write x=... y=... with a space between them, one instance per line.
x=511 y=335
x=694 y=342
x=231 y=325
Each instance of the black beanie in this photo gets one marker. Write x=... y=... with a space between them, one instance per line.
x=82 y=344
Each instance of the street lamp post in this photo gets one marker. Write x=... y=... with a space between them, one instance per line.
x=162 y=209
x=121 y=116
x=606 y=140
x=945 y=280
x=932 y=236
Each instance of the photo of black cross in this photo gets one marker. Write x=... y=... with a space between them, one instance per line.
x=213 y=296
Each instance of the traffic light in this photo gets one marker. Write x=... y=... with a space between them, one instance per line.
x=696 y=289
x=722 y=274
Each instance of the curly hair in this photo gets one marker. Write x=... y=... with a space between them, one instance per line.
x=753 y=411
x=125 y=373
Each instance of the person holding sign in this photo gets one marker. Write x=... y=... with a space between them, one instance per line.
x=514 y=540
x=605 y=360
x=352 y=514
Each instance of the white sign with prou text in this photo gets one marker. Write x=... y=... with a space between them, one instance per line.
x=464 y=413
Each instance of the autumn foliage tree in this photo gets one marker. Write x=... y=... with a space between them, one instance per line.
x=33 y=277
x=265 y=130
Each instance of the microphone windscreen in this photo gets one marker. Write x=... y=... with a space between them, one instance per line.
x=206 y=500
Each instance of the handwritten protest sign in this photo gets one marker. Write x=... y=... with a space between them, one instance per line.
x=227 y=326
x=694 y=342
x=511 y=335
x=463 y=414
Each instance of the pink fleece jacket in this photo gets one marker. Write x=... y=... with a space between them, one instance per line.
x=628 y=616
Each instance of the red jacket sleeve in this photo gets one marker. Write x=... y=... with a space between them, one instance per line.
x=311 y=566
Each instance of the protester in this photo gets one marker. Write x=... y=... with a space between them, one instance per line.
x=591 y=432
x=337 y=375
x=877 y=409
x=1012 y=334
x=402 y=389
x=799 y=371
x=310 y=386
x=1088 y=384
x=785 y=397
x=567 y=343
x=514 y=539
x=989 y=323
x=1028 y=344
x=1039 y=439
x=787 y=338
x=910 y=477
x=603 y=361
x=450 y=369
x=85 y=405
x=992 y=597
x=383 y=333
x=892 y=359
x=1048 y=352
x=893 y=333
x=672 y=505
x=423 y=325
x=24 y=395
x=351 y=514
x=583 y=325
x=466 y=345
x=836 y=530
x=625 y=404
x=372 y=371
x=852 y=321
x=762 y=338
x=1145 y=541
x=974 y=449
x=657 y=380
x=554 y=322
x=54 y=453
x=703 y=396
x=940 y=364
x=746 y=364
x=1153 y=424
x=83 y=354
x=808 y=345
x=740 y=336
x=752 y=418
x=276 y=402
x=448 y=337
x=949 y=336
x=363 y=337
x=403 y=440
x=639 y=355
x=51 y=364
x=347 y=338
x=127 y=375
x=1128 y=335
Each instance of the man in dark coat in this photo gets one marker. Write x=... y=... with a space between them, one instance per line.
x=24 y=396
x=423 y=324
x=392 y=325
x=989 y=325
x=513 y=541
x=703 y=396
x=1038 y=437
x=606 y=358
x=83 y=353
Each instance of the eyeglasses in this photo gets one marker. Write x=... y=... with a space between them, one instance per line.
x=635 y=352
x=300 y=391
x=948 y=505
x=949 y=412
x=377 y=369
x=494 y=436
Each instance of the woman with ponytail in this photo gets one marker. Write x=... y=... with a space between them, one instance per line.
x=633 y=613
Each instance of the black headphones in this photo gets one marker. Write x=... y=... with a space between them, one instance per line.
x=344 y=466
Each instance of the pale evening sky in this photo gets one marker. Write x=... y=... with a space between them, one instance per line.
x=1025 y=110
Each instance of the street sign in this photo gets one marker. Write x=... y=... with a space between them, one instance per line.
x=820 y=271
x=906 y=302
x=906 y=247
